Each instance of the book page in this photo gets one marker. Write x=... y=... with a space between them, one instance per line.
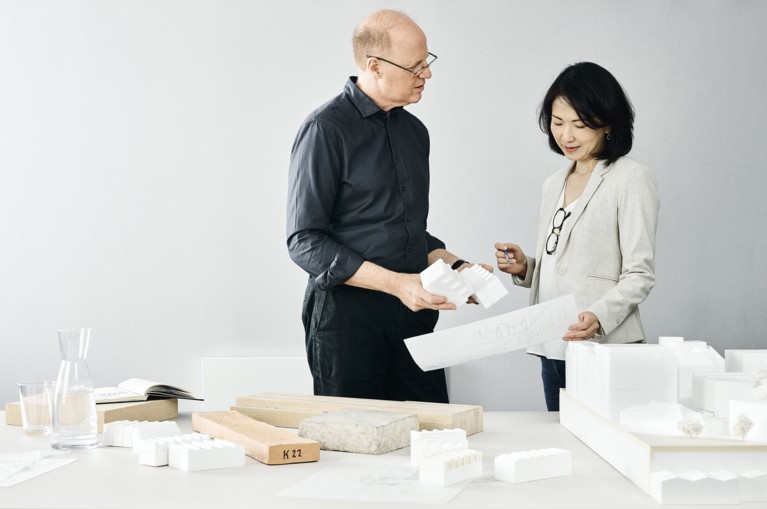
x=115 y=395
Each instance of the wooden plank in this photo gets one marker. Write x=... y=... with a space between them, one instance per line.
x=263 y=442
x=152 y=410
x=287 y=410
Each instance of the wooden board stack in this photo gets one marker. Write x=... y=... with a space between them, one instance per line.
x=288 y=410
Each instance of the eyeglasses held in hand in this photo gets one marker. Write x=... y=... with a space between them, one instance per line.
x=417 y=73
x=553 y=239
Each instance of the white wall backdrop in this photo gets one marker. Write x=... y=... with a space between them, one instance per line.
x=144 y=149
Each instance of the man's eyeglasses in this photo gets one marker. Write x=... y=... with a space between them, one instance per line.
x=417 y=73
x=553 y=239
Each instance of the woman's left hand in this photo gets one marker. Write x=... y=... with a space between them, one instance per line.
x=587 y=326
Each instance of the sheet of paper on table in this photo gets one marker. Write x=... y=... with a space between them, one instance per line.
x=493 y=336
x=19 y=467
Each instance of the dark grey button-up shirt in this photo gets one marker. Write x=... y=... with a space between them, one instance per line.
x=359 y=190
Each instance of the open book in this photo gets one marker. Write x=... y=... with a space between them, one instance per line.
x=138 y=389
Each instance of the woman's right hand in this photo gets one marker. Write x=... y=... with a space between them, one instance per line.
x=516 y=263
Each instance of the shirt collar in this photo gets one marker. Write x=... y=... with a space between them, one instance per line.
x=366 y=106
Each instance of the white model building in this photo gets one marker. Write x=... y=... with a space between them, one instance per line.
x=611 y=377
x=693 y=357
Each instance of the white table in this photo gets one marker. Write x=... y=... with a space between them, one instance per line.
x=110 y=477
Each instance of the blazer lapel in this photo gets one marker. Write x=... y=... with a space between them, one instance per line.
x=591 y=186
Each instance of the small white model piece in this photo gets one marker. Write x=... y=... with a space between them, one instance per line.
x=533 y=465
x=147 y=430
x=485 y=286
x=745 y=361
x=154 y=451
x=693 y=357
x=694 y=487
x=670 y=340
x=611 y=377
x=430 y=442
x=119 y=433
x=207 y=455
x=756 y=411
x=440 y=279
x=753 y=486
x=713 y=391
x=658 y=418
x=450 y=467
x=360 y=431
x=742 y=426
x=488 y=289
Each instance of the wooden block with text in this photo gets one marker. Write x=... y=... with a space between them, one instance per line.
x=288 y=410
x=262 y=441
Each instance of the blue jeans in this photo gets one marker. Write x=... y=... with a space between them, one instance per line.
x=553 y=375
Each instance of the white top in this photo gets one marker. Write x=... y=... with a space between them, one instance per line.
x=547 y=290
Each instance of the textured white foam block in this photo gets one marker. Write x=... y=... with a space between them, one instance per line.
x=153 y=452
x=147 y=430
x=450 y=467
x=440 y=279
x=360 y=431
x=533 y=465
x=119 y=433
x=208 y=455
x=429 y=442
x=694 y=487
x=487 y=288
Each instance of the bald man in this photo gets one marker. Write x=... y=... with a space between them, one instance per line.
x=358 y=201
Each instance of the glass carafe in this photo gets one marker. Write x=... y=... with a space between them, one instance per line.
x=74 y=424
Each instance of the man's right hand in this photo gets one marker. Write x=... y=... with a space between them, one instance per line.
x=410 y=290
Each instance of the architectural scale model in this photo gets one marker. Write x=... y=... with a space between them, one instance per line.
x=670 y=419
x=475 y=281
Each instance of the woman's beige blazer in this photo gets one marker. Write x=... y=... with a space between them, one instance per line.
x=606 y=251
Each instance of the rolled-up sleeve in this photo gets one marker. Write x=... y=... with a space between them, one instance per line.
x=314 y=178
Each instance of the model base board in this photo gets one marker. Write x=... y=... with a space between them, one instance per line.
x=638 y=456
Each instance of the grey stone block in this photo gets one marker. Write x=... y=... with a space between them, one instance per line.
x=360 y=431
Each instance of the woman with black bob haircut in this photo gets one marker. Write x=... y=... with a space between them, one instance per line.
x=599 y=215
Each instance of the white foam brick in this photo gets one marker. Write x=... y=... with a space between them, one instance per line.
x=153 y=452
x=533 y=465
x=147 y=430
x=450 y=467
x=695 y=487
x=206 y=455
x=429 y=442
